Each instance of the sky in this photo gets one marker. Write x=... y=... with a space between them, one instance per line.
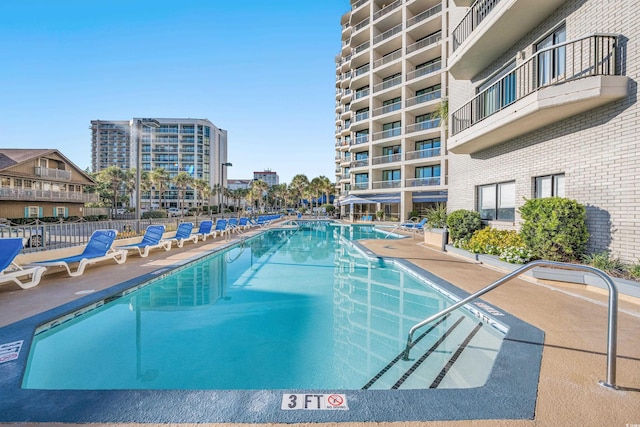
x=264 y=70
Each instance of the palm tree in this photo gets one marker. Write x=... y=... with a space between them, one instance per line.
x=202 y=187
x=145 y=185
x=315 y=189
x=258 y=187
x=297 y=186
x=327 y=187
x=159 y=178
x=114 y=176
x=183 y=181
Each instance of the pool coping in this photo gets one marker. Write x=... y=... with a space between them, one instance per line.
x=509 y=393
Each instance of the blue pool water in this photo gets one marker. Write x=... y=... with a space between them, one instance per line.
x=294 y=308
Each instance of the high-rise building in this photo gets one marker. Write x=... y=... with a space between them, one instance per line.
x=267 y=176
x=194 y=146
x=543 y=102
x=390 y=92
x=539 y=97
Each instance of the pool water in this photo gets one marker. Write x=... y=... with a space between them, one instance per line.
x=294 y=308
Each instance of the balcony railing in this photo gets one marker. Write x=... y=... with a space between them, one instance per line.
x=362 y=70
x=387 y=58
x=424 y=15
x=425 y=97
x=360 y=48
x=387 y=108
x=387 y=84
x=592 y=55
x=423 y=71
x=361 y=186
x=361 y=116
x=433 y=39
x=359 y=163
x=388 y=158
x=52 y=173
x=46 y=195
x=360 y=25
x=396 y=4
x=362 y=139
x=358 y=4
x=422 y=182
x=389 y=133
x=476 y=14
x=379 y=185
x=423 y=154
x=389 y=33
x=425 y=125
x=362 y=93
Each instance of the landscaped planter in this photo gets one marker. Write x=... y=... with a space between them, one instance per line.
x=627 y=287
x=435 y=237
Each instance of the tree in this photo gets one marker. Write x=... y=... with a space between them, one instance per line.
x=258 y=187
x=297 y=186
x=202 y=190
x=159 y=178
x=183 y=181
x=114 y=176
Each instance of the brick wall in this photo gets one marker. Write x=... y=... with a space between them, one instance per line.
x=598 y=151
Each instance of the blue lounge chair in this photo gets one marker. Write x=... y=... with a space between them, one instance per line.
x=98 y=249
x=152 y=239
x=204 y=230
x=221 y=228
x=232 y=225
x=414 y=226
x=12 y=272
x=183 y=234
x=243 y=223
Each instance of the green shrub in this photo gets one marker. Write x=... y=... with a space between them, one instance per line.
x=634 y=271
x=492 y=241
x=554 y=228
x=462 y=224
x=154 y=214
x=606 y=262
x=413 y=214
x=437 y=215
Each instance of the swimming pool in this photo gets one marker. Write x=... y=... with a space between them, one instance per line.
x=296 y=308
x=508 y=392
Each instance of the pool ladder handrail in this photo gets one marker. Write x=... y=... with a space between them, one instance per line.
x=612 y=307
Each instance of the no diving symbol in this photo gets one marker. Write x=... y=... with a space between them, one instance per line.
x=335 y=400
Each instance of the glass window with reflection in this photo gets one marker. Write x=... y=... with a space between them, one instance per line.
x=497 y=201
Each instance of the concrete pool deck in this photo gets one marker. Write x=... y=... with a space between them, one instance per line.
x=572 y=317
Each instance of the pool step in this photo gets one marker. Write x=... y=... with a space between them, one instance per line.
x=434 y=357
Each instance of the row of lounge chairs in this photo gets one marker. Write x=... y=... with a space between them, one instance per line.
x=99 y=248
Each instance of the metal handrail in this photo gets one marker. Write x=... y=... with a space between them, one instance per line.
x=613 y=310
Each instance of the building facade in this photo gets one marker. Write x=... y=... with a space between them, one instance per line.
x=390 y=145
x=267 y=176
x=547 y=107
x=38 y=183
x=194 y=146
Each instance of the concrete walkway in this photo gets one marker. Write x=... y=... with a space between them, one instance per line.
x=573 y=318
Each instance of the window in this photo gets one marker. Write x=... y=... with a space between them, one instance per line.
x=5 y=182
x=498 y=91
x=497 y=201
x=362 y=155
x=551 y=63
x=391 y=129
x=391 y=175
x=428 y=171
x=549 y=186
x=33 y=211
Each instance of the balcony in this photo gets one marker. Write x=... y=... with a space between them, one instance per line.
x=360 y=163
x=389 y=158
x=387 y=58
x=425 y=97
x=362 y=139
x=535 y=95
x=361 y=186
x=47 y=196
x=424 y=15
x=381 y=185
x=423 y=71
x=389 y=133
x=387 y=9
x=423 y=182
x=424 y=125
x=488 y=30
x=361 y=116
x=427 y=41
x=387 y=84
x=52 y=173
x=423 y=154
x=389 y=33
x=387 y=108
x=360 y=25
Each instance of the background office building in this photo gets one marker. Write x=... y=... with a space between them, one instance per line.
x=543 y=102
x=194 y=146
x=390 y=147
